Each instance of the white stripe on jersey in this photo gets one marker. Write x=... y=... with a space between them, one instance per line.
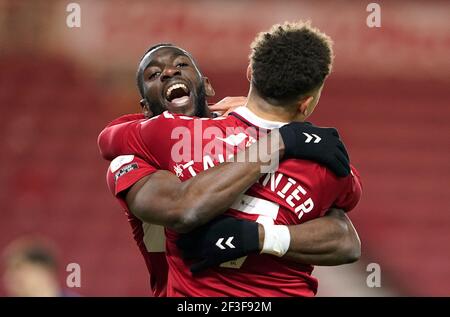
x=154 y=237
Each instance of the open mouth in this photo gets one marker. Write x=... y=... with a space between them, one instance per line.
x=177 y=93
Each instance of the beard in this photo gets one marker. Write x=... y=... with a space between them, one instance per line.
x=200 y=103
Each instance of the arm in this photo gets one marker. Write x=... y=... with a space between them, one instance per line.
x=329 y=240
x=162 y=198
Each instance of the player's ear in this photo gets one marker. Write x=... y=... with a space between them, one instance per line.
x=249 y=72
x=303 y=105
x=146 y=108
x=209 y=90
x=307 y=104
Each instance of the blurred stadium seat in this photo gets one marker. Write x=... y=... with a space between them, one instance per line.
x=389 y=98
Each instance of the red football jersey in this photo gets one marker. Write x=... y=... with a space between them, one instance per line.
x=123 y=172
x=298 y=191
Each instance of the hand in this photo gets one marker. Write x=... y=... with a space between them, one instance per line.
x=303 y=140
x=227 y=105
x=223 y=239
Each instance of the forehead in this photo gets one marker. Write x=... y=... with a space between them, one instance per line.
x=163 y=55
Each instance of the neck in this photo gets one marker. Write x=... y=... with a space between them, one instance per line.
x=267 y=111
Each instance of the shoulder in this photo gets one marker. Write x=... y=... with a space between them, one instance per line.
x=318 y=176
x=125 y=170
x=126 y=118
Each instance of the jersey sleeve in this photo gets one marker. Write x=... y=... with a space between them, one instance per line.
x=137 y=147
x=350 y=196
x=124 y=171
x=149 y=139
x=121 y=137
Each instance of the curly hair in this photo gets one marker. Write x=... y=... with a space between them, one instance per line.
x=289 y=61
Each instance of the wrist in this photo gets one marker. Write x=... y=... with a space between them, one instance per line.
x=260 y=236
x=276 y=240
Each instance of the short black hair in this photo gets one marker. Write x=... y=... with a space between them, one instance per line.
x=33 y=250
x=290 y=60
x=40 y=255
x=139 y=78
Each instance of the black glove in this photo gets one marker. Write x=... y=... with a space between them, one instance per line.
x=221 y=240
x=303 y=140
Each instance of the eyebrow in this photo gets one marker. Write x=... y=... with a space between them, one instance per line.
x=174 y=54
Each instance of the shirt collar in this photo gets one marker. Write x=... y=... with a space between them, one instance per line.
x=252 y=118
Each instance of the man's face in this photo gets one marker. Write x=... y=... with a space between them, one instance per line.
x=22 y=278
x=172 y=82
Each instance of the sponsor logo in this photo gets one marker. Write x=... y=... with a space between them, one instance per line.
x=126 y=169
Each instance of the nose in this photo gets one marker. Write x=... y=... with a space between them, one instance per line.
x=169 y=72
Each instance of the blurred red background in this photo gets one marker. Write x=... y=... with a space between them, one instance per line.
x=388 y=96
